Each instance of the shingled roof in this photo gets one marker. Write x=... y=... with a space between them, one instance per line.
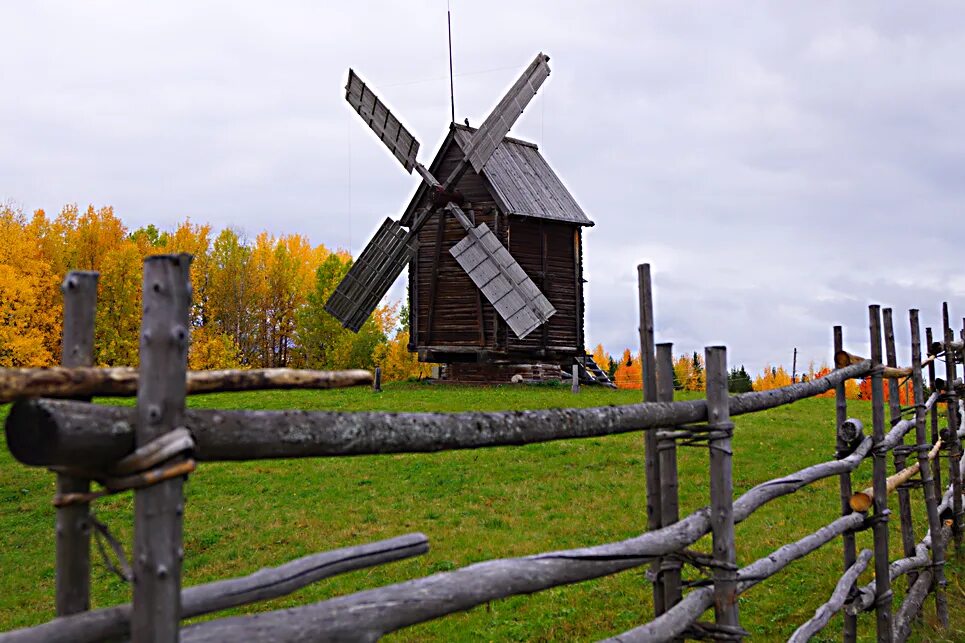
x=519 y=178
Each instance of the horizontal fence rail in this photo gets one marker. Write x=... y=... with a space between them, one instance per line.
x=61 y=432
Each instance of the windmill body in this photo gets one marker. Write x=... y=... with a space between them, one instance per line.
x=493 y=245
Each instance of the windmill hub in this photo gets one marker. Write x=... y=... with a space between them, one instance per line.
x=442 y=197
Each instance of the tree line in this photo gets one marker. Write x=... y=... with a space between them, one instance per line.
x=688 y=375
x=256 y=302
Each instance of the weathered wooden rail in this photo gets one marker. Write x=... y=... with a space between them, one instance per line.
x=85 y=442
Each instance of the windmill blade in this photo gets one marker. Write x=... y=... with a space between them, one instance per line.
x=371 y=276
x=500 y=277
x=397 y=138
x=490 y=134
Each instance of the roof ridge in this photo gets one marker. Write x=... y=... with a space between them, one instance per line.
x=517 y=141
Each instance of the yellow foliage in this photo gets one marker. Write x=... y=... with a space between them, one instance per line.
x=628 y=374
x=772 y=377
x=397 y=363
x=601 y=358
x=212 y=350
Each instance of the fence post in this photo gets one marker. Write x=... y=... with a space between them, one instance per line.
x=651 y=460
x=669 y=488
x=575 y=385
x=936 y=464
x=879 y=484
x=954 y=445
x=901 y=450
x=721 y=489
x=158 y=509
x=929 y=489
x=73 y=522
x=850 y=632
x=377 y=380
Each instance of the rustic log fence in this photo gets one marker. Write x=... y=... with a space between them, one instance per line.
x=150 y=448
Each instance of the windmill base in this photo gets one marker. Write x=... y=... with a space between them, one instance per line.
x=489 y=373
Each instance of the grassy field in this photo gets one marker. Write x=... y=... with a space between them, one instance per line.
x=473 y=505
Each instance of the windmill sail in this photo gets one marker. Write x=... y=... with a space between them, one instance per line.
x=490 y=134
x=371 y=276
x=397 y=138
x=500 y=277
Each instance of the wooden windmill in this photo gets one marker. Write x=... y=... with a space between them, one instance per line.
x=494 y=255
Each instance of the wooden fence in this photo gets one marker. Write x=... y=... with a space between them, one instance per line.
x=151 y=449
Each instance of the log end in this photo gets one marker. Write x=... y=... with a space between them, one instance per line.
x=860 y=502
x=31 y=433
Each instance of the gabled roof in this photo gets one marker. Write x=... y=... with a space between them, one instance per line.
x=519 y=178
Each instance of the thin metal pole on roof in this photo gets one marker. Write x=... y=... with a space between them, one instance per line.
x=452 y=94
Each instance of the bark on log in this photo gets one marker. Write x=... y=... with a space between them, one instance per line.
x=677 y=619
x=62 y=433
x=849 y=431
x=265 y=584
x=844 y=358
x=822 y=615
x=862 y=500
x=22 y=383
x=911 y=606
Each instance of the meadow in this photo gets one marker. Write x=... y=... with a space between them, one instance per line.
x=473 y=506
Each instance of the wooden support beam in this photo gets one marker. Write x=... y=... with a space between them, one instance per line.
x=880 y=474
x=954 y=444
x=651 y=457
x=73 y=523
x=843 y=445
x=908 y=539
x=933 y=415
x=669 y=484
x=930 y=488
x=822 y=616
x=721 y=490
x=159 y=509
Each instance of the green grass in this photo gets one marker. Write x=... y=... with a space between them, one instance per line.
x=473 y=505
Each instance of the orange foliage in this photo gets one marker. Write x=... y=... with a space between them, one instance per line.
x=629 y=374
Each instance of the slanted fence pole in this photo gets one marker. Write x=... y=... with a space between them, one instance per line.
x=73 y=522
x=158 y=509
x=669 y=486
x=954 y=444
x=901 y=451
x=930 y=490
x=850 y=632
x=721 y=490
x=933 y=416
x=879 y=483
x=651 y=459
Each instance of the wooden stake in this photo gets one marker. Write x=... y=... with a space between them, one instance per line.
x=669 y=485
x=158 y=510
x=954 y=445
x=377 y=381
x=721 y=489
x=850 y=627
x=933 y=416
x=929 y=487
x=648 y=361
x=73 y=523
x=575 y=385
x=880 y=478
x=908 y=540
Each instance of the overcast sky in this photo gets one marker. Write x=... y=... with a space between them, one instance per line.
x=780 y=164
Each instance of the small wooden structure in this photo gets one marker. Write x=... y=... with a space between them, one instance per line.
x=524 y=203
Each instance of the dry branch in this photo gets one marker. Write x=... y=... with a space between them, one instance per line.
x=911 y=606
x=21 y=383
x=834 y=605
x=268 y=583
x=63 y=433
x=862 y=500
